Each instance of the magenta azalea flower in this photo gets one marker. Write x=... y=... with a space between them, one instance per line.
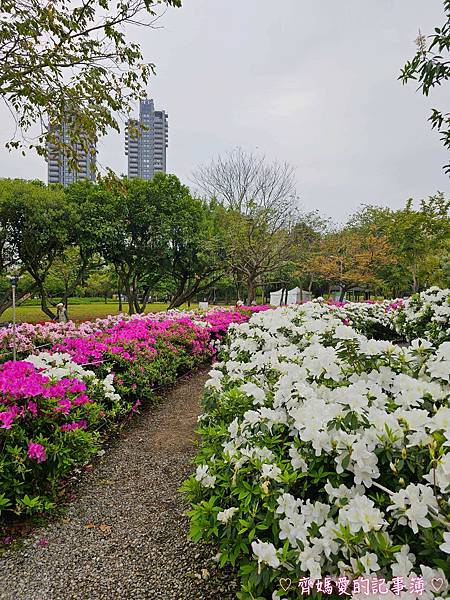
x=75 y=425
x=136 y=406
x=36 y=452
x=6 y=420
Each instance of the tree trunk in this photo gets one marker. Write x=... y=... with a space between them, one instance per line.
x=145 y=299
x=69 y=290
x=44 y=305
x=119 y=293
x=187 y=291
x=6 y=300
x=131 y=305
x=415 y=286
x=342 y=294
x=251 y=290
x=129 y=293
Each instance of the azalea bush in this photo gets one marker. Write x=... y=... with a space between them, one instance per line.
x=56 y=406
x=51 y=412
x=325 y=454
x=425 y=315
x=32 y=337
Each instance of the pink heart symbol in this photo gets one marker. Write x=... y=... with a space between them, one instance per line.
x=437 y=583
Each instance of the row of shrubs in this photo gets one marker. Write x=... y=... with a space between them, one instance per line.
x=325 y=454
x=57 y=405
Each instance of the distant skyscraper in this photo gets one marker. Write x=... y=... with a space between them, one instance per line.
x=59 y=170
x=146 y=140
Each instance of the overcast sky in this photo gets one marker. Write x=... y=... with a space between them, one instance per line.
x=310 y=82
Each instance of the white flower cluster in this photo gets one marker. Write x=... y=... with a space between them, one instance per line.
x=60 y=365
x=345 y=440
x=426 y=315
x=202 y=475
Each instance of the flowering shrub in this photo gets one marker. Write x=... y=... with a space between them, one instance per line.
x=50 y=414
x=55 y=405
x=325 y=454
x=373 y=319
x=425 y=315
x=31 y=337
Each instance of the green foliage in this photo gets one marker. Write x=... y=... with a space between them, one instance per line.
x=431 y=67
x=34 y=225
x=136 y=235
x=71 y=63
x=418 y=239
x=154 y=230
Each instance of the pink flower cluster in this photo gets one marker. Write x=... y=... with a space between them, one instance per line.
x=38 y=403
x=398 y=303
x=127 y=339
x=36 y=452
x=130 y=337
x=21 y=387
x=82 y=424
x=31 y=337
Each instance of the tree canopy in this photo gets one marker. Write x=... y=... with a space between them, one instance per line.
x=144 y=238
x=431 y=67
x=72 y=63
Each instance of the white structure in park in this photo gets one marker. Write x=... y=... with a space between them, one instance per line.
x=294 y=296
x=275 y=298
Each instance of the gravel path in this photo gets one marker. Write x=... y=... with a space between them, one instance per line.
x=125 y=536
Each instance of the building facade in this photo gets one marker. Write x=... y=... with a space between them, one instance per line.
x=59 y=169
x=146 y=141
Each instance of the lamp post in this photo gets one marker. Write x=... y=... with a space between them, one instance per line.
x=14 y=281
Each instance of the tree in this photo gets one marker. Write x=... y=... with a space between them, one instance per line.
x=156 y=230
x=35 y=224
x=259 y=212
x=431 y=67
x=102 y=282
x=133 y=237
x=89 y=215
x=307 y=233
x=348 y=258
x=61 y=281
x=196 y=251
x=71 y=63
x=417 y=234
x=418 y=238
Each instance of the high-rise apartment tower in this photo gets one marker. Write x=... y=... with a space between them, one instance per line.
x=58 y=167
x=146 y=140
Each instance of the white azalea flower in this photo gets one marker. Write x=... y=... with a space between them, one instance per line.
x=445 y=546
x=361 y=513
x=266 y=553
x=226 y=515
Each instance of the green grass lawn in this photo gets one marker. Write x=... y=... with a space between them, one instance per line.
x=78 y=312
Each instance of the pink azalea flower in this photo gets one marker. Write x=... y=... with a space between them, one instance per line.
x=6 y=420
x=135 y=406
x=36 y=452
x=64 y=406
x=82 y=424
